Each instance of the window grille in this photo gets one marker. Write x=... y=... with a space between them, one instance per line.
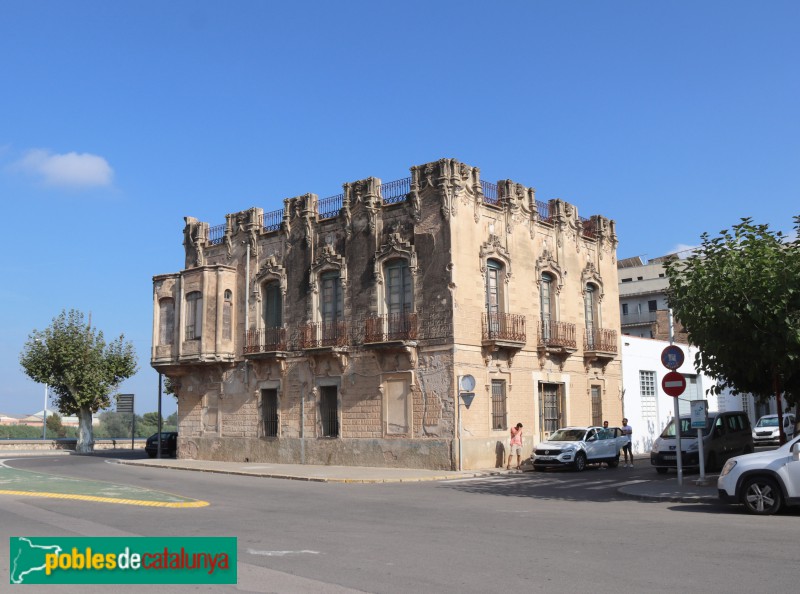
x=499 y=404
x=329 y=411
x=269 y=400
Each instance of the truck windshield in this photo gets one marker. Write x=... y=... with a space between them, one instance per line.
x=767 y=422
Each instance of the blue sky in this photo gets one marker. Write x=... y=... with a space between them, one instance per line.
x=117 y=119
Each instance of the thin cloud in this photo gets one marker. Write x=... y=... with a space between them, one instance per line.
x=683 y=250
x=72 y=170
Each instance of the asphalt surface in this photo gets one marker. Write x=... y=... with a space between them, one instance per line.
x=692 y=490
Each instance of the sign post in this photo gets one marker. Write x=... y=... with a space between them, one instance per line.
x=466 y=383
x=125 y=405
x=674 y=385
x=699 y=420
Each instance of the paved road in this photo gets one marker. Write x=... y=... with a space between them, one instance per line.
x=554 y=531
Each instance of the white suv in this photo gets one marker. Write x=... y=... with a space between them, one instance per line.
x=763 y=481
x=576 y=447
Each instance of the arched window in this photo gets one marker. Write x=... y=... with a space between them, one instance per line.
x=590 y=309
x=273 y=305
x=330 y=303
x=227 y=315
x=166 y=320
x=399 y=296
x=494 y=289
x=194 y=315
x=546 y=304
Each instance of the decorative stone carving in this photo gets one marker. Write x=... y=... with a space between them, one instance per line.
x=271 y=269
x=195 y=237
x=494 y=249
x=591 y=275
x=394 y=246
x=328 y=259
x=547 y=263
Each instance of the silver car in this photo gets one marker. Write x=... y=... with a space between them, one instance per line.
x=576 y=447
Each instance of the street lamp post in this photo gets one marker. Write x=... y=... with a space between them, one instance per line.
x=44 y=414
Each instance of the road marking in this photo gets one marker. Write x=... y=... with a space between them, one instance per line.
x=281 y=553
x=175 y=504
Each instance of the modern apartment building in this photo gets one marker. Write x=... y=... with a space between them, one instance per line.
x=335 y=331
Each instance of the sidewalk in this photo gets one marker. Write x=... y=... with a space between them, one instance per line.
x=692 y=490
x=308 y=472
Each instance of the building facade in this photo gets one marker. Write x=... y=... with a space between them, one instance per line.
x=644 y=310
x=335 y=331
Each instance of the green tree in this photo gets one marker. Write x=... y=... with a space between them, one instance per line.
x=738 y=296
x=82 y=369
x=54 y=426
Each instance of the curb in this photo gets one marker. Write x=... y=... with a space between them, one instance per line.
x=312 y=479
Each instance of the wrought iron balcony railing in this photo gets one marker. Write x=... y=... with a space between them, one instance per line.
x=390 y=328
x=268 y=340
x=396 y=191
x=503 y=327
x=490 y=195
x=324 y=334
x=271 y=221
x=600 y=340
x=557 y=334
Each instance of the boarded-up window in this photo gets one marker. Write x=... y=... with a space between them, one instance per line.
x=227 y=316
x=194 y=315
x=166 y=320
x=210 y=412
x=397 y=414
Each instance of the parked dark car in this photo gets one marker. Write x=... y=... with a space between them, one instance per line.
x=169 y=444
x=726 y=434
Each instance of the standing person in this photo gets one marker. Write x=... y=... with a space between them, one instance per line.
x=515 y=446
x=605 y=424
x=627 y=431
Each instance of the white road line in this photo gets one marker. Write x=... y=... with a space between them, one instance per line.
x=281 y=553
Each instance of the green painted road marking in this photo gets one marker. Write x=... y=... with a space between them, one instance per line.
x=35 y=484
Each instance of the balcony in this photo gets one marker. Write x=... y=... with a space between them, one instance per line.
x=503 y=330
x=318 y=335
x=644 y=318
x=388 y=328
x=557 y=337
x=266 y=341
x=600 y=343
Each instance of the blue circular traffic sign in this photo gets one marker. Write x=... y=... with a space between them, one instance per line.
x=672 y=357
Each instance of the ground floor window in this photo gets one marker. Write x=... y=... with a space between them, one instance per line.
x=551 y=409
x=597 y=406
x=269 y=407
x=499 y=404
x=329 y=410
x=397 y=407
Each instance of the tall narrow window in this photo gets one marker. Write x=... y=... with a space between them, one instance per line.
x=331 y=297
x=194 y=315
x=227 y=315
x=597 y=406
x=590 y=309
x=493 y=296
x=550 y=409
x=399 y=299
x=166 y=320
x=398 y=287
x=499 y=404
x=647 y=395
x=269 y=404
x=546 y=304
x=329 y=411
x=331 y=309
x=273 y=306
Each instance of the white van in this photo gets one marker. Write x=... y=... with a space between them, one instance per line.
x=766 y=430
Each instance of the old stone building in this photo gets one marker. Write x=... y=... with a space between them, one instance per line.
x=335 y=331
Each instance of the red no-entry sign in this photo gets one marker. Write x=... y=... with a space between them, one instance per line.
x=673 y=384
